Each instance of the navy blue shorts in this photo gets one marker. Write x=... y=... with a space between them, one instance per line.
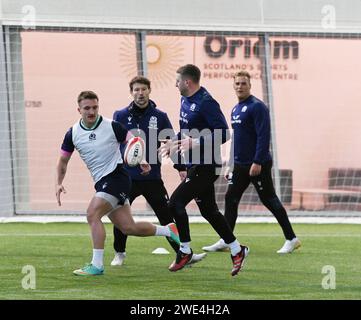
x=117 y=184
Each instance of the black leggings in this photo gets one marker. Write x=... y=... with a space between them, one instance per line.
x=264 y=186
x=199 y=185
x=157 y=197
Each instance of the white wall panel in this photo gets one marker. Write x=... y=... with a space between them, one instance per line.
x=222 y=15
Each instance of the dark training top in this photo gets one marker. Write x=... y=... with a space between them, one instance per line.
x=149 y=121
x=250 y=121
x=201 y=112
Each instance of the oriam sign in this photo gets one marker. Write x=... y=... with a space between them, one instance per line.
x=279 y=48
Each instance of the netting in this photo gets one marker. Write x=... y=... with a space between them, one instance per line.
x=313 y=99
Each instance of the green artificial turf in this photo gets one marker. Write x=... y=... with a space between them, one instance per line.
x=56 y=249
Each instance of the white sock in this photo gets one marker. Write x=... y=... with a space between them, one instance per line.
x=162 y=231
x=185 y=247
x=98 y=258
x=235 y=247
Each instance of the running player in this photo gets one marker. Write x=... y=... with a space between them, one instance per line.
x=203 y=130
x=252 y=162
x=143 y=118
x=97 y=140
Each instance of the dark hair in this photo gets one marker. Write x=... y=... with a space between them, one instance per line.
x=190 y=71
x=87 y=95
x=139 y=79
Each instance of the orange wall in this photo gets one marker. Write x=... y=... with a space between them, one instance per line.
x=316 y=112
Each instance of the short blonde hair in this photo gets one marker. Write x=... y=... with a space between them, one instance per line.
x=87 y=95
x=242 y=74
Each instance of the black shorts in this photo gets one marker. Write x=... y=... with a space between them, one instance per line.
x=117 y=184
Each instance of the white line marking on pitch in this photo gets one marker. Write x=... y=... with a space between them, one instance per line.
x=255 y=235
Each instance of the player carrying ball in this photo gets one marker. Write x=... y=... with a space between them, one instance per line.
x=97 y=140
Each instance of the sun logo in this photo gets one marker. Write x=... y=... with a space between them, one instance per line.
x=164 y=54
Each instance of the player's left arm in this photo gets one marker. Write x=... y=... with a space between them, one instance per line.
x=262 y=124
x=121 y=132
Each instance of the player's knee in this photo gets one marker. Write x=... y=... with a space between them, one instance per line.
x=93 y=216
x=231 y=197
x=272 y=202
x=176 y=207
x=129 y=229
x=210 y=213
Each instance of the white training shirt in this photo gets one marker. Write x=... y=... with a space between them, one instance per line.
x=98 y=147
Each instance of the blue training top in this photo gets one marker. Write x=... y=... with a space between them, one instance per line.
x=146 y=124
x=202 y=112
x=250 y=121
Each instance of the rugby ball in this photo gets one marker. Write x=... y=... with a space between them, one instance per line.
x=134 y=152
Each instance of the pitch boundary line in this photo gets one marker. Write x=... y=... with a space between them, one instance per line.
x=255 y=235
x=192 y=219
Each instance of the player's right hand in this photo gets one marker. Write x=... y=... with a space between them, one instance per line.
x=145 y=167
x=255 y=170
x=227 y=173
x=182 y=175
x=163 y=150
x=58 y=190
